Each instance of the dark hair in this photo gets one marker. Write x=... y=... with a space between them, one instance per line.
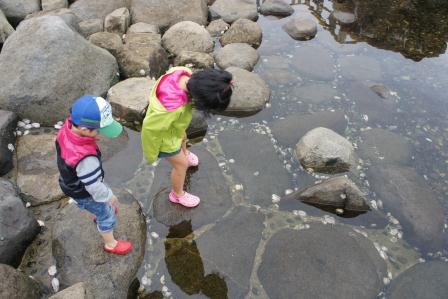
x=210 y=90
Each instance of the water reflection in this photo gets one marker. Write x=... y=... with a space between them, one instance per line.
x=185 y=266
x=416 y=29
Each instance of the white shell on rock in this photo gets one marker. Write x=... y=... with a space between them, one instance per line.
x=52 y=270
x=55 y=284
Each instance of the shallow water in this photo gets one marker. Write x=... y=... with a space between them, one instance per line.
x=392 y=44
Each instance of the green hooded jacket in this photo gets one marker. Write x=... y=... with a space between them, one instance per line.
x=163 y=130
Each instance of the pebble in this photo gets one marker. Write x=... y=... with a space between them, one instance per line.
x=41 y=223
x=35 y=125
x=238 y=187
x=231 y=161
x=162 y=279
x=19 y=133
x=28 y=126
x=20 y=124
x=26 y=121
x=26 y=132
x=275 y=198
x=155 y=235
x=340 y=211
x=144 y=280
x=28 y=204
x=52 y=270
x=55 y=284
x=256 y=173
x=288 y=191
x=374 y=205
x=11 y=147
x=142 y=72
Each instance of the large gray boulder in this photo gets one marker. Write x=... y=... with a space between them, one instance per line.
x=250 y=93
x=422 y=281
x=187 y=36
x=243 y=31
x=117 y=21
x=78 y=249
x=238 y=55
x=301 y=29
x=129 y=98
x=276 y=8
x=143 y=55
x=17 y=226
x=66 y=14
x=16 y=285
x=96 y=9
x=409 y=198
x=8 y=123
x=194 y=60
x=110 y=41
x=232 y=10
x=337 y=192
x=324 y=261
x=5 y=28
x=42 y=87
x=16 y=11
x=166 y=13
x=323 y=150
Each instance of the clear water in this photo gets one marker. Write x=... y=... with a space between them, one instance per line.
x=392 y=44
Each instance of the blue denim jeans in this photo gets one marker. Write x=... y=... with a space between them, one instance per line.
x=105 y=215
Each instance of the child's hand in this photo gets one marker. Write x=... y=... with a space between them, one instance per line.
x=114 y=202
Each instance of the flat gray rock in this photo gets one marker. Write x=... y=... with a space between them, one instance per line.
x=68 y=58
x=166 y=13
x=343 y=17
x=384 y=147
x=96 y=9
x=408 y=197
x=5 y=28
x=361 y=68
x=323 y=150
x=422 y=281
x=232 y=10
x=235 y=263
x=142 y=27
x=314 y=62
x=16 y=11
x=14 y=284
x=243 y=31
x=288 y=131
x=250 y=93
x=324 y=261
x=78 y=249
x=258 y=189
x=238 y=55
x=187 y=36
x=8 y=123
x=276 y=8
x=301 y=29
x=205 y=181
x=18 y=227
x=315 y=93
x=277 y=70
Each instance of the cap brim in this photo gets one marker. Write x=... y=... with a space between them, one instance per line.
x=112 y=131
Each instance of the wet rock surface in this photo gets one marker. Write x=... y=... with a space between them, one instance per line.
x=195 y=60
x=315 y=93
x=255 y=174
x=339 y=256
x=166 y=13
x=288 y=131
x=8 y=123
x=422 y=281
x=187 y=36
x=360 y=68
x=238 y=55
x=276 y=8
x=323 y=150
x=205 y=181
x=68 y=58
x=18 y=227
x=232 y=10
x=15 y=284
x=384 y=147
x=106 y=275
x=243 y=31
x=408 y=197
x=337 y=192
x=250 y=93
x=301 y=29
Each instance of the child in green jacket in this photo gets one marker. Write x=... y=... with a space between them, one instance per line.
x=169 y=113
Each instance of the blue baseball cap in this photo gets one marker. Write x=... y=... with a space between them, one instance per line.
x=95 y=113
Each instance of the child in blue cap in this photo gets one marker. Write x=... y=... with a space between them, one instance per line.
x=80 y=167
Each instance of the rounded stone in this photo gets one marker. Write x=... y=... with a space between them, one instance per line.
x=217 y=27
x=110 y=41
x=238 y=55
x=195 y=60
x=232 y=10
x=344 y=17
x=243 y=31
x=187 y=36
x=301 y=29
x=276 y=8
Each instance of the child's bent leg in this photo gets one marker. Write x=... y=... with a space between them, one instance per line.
x=180 y=165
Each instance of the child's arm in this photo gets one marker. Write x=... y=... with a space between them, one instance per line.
x=89 y=172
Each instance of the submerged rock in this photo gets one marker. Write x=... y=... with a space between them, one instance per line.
x=232 y=10
x=18 y=227
x=315 y=93
x=206 y=181
x=301 y=29
x=15 y=284
x=407 y=196
x=45 y=92
x=337 y=192
x=187 y=36
x=422 y=281
x=78 y=249
x=166 y=13
x=315 y=62
x=361 y=68
x=290 y=130
x=321 y=262
x=250 y=93
x=217 y=27
x=238 y=55
x=343 y=17
x=8 y=123
x=276 y=8
x=243 y=31
x=142 y=27
x=323 y=150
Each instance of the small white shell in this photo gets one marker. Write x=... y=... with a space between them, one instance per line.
x=55 y=284
x=52 y=270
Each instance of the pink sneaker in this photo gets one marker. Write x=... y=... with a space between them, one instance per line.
x=187 y=200
x=193 y=160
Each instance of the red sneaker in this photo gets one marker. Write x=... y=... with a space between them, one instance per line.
x=115 y=210
x=123 y=247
